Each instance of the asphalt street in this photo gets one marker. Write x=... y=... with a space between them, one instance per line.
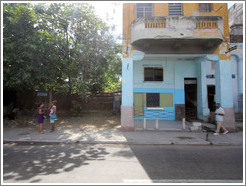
x=80 y=163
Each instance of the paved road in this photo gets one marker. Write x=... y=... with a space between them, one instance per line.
x=80 y=163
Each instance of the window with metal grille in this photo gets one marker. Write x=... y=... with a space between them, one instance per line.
x=205 y=7
x=153 y=74
x=144 y=10
x=153 y=99
x=175 y=9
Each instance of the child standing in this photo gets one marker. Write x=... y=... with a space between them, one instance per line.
x=53 y=115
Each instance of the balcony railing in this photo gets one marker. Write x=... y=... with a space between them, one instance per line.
x=161 y=23
x=206 y=24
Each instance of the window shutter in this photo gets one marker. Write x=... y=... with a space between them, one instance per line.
x=166 y=100
x=144 y=10
x=175 y=9
x=139 y=103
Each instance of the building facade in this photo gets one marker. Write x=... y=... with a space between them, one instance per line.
x=235 y=15
x=236 y=42
x=166 y=48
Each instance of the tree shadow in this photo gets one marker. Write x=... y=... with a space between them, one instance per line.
x=23 y=162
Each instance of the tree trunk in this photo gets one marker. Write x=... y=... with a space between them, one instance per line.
x=70 y=95
x=50 y=97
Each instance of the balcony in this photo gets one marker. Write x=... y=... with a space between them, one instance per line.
x=179 y=34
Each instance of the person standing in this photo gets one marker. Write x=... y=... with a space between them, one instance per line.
x=40 y=117
x=219 y=117
x=53 y=115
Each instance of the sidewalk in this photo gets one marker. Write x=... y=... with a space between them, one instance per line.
x=116 y=136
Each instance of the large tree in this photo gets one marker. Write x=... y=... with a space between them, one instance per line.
x=89 y=48
x=28 y=54
x=62 y=47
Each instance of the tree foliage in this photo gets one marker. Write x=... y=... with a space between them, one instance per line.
x=63 y=47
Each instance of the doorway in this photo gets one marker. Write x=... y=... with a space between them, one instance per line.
x=190 y=99
x=211 y=98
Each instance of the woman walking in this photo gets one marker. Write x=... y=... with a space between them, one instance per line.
x=53 y=115
x=40 y=117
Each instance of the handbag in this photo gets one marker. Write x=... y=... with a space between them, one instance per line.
x=53 y=116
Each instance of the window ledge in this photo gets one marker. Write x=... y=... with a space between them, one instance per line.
x=155 y=108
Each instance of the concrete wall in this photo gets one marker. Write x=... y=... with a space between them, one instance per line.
x=236 y=23
x=235 y=14
x=179 y=27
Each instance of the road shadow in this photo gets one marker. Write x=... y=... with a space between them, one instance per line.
x=173 y=162
x=24 y=162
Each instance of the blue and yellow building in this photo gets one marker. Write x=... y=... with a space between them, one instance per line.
x=166 y=47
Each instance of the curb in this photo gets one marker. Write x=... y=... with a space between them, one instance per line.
x=55 y=142
x=23 y=142
x=226 y=144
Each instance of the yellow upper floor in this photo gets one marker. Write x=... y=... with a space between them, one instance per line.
x=132 y=11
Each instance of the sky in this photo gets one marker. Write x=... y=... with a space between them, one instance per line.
x=112 y=10
x=230 y=4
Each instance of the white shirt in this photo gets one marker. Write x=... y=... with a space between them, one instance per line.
x=219 y=111
x=53 y=110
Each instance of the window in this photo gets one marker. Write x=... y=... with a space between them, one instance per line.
x=153 y=99
x=153 y=74
x=205 y=7
x=175 y=9
x=142 y=100
x=144 y=10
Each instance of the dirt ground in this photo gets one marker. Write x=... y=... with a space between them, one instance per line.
x=88 y=121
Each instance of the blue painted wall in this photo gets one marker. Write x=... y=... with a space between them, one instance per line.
x=127 y=82
x=168 y=113
x=223 y=81
x=174 y=74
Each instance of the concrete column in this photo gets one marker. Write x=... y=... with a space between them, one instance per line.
x=224 y=93
x=240 y=73
x=240 y=82
x=127 y=113
x=202 y=101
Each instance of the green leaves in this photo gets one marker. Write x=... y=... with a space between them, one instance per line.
x=63 y=47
